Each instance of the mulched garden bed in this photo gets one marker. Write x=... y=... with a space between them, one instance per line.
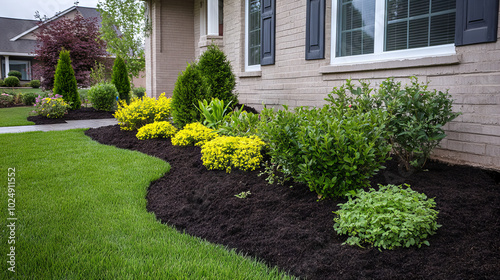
x=288 y=227
x=80 y=114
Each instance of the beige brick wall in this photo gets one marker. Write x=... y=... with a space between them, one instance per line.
x=472 y=76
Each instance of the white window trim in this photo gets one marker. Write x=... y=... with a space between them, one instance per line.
x=248 y=68
x=379 y=55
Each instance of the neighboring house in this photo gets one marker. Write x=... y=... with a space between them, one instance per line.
x=18 y=41
x=294 y=52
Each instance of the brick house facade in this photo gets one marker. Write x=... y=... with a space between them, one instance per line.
x=308 y=47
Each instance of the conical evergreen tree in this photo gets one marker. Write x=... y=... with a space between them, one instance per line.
x=65 y=81
x=120 y=79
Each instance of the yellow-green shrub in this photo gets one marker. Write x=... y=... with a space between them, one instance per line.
x=156 y=130
x=193 y=134
x=226 y=152
x=142 y=111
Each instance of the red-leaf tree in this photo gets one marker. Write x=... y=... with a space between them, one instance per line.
x=78 y=35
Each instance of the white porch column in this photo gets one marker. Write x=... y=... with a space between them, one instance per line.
x=7 y=65
x=213 y=17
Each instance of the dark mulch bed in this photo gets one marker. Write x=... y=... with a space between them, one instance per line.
x=289 y=228
x=80 y=114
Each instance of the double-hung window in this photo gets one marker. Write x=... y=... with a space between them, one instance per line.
x=376 y=30
x=252 y=34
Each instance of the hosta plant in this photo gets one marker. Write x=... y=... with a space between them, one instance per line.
x=227 y=152
x=387 y=218
x=142 y=111
x=193 y=134
x=156 y=130
x=213 y=113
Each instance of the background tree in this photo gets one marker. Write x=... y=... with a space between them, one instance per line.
x=124 y=27
x=80 y=36
x=120 y=79
x=65 y=81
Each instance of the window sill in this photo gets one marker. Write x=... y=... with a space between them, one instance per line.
x=392 y=64
x=251 y=74
x=208 y=40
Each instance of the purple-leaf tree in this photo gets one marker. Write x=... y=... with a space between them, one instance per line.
x=80 y=36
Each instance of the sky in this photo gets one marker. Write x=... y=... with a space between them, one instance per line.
x=26 y=9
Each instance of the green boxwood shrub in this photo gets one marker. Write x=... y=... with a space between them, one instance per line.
x=189 y=88
x=29 y=98
x=1 y=83
x=15 y=73
x=103 y=96
x=120 y=79
x=216 y=70
x=388 y=218
x=11 y=81
x=35 y=83
x=65 y=81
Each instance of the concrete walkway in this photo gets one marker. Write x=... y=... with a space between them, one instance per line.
x=60 y=126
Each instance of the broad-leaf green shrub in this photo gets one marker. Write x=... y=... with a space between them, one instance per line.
x=11 y=82
x=240 y=123
x=217 y=71
x=15 y=73
x=416 y=115
x=162 y=129
x=53 y=106
x=388 y=218
x=332 y=150
x=189 y=88
x=103 y=96
x=142 y=111
x=34 y=84
x=213 y=113
x=29 y=98
x=193 y=134
x=65 y=81
x=227 y=152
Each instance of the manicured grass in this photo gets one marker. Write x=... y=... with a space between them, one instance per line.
x=20 y=90
x=81 y=214
x=15 y=116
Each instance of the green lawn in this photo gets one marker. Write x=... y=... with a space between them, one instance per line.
x=81 y=214
x=20 y=90
x=15 y=116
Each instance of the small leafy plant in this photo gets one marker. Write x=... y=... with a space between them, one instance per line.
x=142 y=111
x=213 y=113
x=193 y=134
x=243 y=195
x=156 y=130
x=240 y=123
x=388 y=218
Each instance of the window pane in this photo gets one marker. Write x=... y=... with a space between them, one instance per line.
x=254 y=32
x=426 y=23
x=356 y=21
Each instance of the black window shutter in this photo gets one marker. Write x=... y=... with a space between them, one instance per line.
x=315 y=29
x=476 y=22
x=268 y=30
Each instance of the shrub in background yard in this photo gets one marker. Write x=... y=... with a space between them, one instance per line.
x=388 y=218
x=139 y=91
x=193 y=134
x=29 y=98
x=15 y=73
x=98 y=74
x=216 y=69
x=156 y=130
x=1 y=83
x=103 y=96
x=226 y=152
x=120 y=79
x=6 y=100
x=53 y=106
x=34 y=84
x=65 y=81
x=11 y=81
x=142 y=111
x=189 y=88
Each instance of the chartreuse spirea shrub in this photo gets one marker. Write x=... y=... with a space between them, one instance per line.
x=53 y=106
x=227 y=152
x=103 y=96
x=388 y=218
x=142 y=111
x=416 y=115
x=156 y=130
x=193 y=134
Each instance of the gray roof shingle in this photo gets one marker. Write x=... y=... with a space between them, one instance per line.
x=9 y=28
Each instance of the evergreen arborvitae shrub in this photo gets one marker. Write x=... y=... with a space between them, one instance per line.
x=216 y=69
x=65 y=81
x=189 y=88
x=120 y=79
